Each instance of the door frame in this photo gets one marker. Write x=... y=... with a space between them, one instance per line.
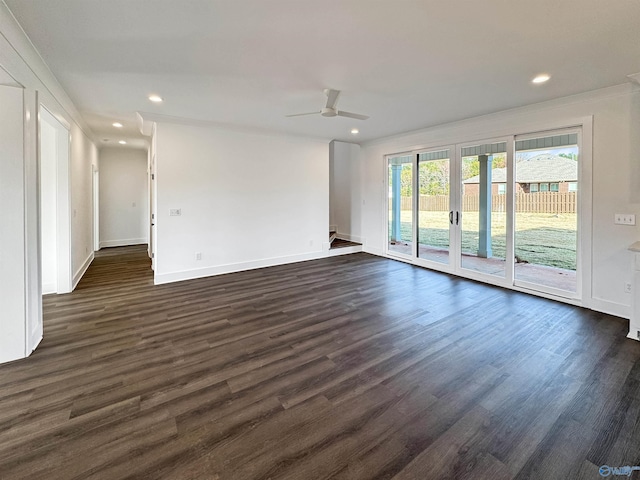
x=507 y=280
x=585 y=197
x=389 y=252
x=454 y=236
x=580 y=220
x=96 y=208
x=63 y=196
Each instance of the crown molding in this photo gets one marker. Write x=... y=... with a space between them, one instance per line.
x=22 y=61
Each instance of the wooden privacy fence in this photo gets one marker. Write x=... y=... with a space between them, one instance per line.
x=539 y=202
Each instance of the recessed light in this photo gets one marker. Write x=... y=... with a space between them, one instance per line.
x=543 y=77
x=117 y=124
x=122 y=142
x=355 y=131
x=155 y=98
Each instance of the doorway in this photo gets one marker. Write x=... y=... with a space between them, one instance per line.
x=55 y=224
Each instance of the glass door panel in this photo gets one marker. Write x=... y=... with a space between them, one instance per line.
x=400 y=213
x=546 y=211
x=434 y=212
x=483 y=209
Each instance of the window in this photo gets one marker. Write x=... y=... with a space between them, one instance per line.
x=545 y=226
x=502 y=189
x=573 y=186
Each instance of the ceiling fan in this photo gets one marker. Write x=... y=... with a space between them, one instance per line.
x=330 y=109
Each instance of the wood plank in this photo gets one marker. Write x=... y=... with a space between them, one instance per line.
x=348 y=367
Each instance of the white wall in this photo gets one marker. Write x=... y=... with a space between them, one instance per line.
x=25 y=66
x=616 y=176
x=84 y=155
x=124 y=204
x=12 y=278
x=247 y=200
x=345 y=167
x=48 y=207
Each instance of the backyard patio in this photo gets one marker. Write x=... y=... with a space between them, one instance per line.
x=545 y=245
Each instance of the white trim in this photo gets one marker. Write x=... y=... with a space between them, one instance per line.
x=345 y=250
x=32 y=231
x=36 y=68
x=49 y=288
x=35 y=341
x=95 y=184
x=123 y=242
x=556 y=292
x=610 y=308
x=178 y=276
x=349 y=237
x=63 y=197
x=585 y=212
x=373 y=251
x=83 y=269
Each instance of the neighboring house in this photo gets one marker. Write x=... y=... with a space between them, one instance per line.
x=542 y=173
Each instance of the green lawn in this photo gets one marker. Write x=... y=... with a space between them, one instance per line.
x=541 y=238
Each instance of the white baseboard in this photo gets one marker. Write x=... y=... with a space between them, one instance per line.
x=333 y=228
x=345 y=250
x=161 y=278
x=123 y=243
x=35 y=342
x=79 y=274
x=610 y=308
x=349 y=238
x=373 y=251
x=49 y=288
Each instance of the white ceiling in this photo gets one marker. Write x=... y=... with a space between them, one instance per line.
x=407 y=64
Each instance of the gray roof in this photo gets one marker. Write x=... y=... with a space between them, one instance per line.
x=541 y=168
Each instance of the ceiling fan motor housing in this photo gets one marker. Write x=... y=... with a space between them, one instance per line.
x=328 y=112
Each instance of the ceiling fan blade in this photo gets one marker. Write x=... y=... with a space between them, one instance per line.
x=332 y=97
x=352 y=115
x=301 y=114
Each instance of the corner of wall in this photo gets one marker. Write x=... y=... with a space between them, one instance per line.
x=77 y=276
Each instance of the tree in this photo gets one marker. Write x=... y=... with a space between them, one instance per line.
x=433 y=177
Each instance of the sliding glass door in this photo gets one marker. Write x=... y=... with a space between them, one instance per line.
x=546 y=212
x=400 y=205
x=483 y=208
x=501 y=210
x=435 y=214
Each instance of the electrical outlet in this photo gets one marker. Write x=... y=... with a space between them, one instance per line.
x=198 y=256
x=175 y=212
x=627 y=287
x=624 y=219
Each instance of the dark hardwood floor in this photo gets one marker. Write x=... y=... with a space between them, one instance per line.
x=349 y=367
